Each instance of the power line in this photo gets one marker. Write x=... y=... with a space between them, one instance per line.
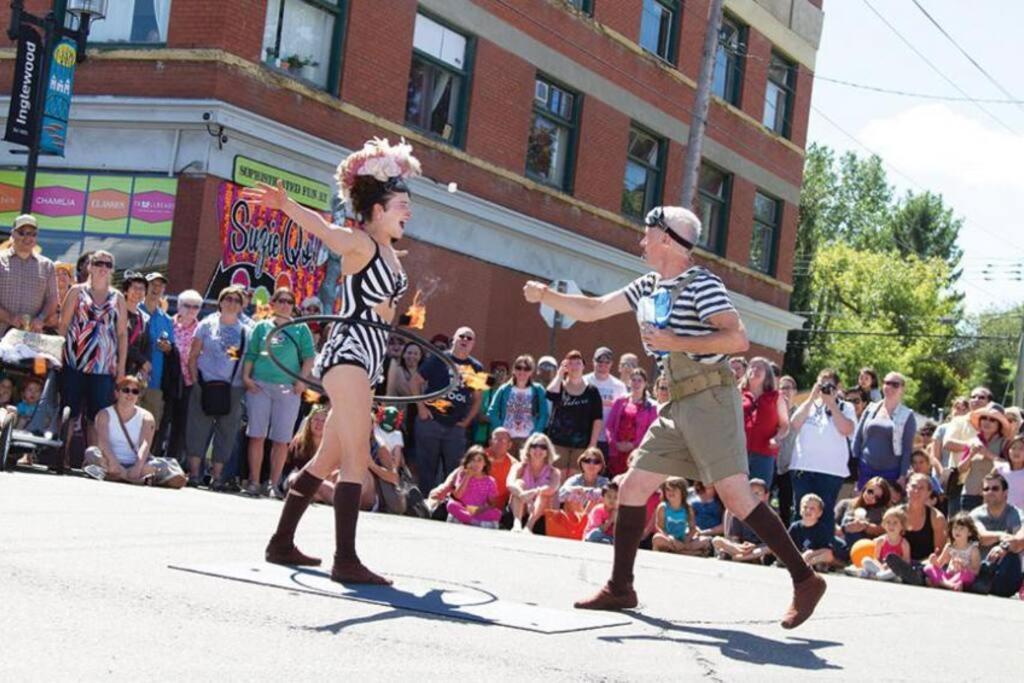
x=934 y=68
x=919 y=95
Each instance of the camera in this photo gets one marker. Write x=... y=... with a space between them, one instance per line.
x=828 y=388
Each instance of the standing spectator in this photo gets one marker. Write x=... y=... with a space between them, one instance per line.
x=519 y=405
x=94 y=323
x=161 y=337
x=628 y=362
x=547 y=368
x=823 y=423
x=979 y=458
x=65 y=278
x=311 y=306
x=28 y=281
x=609 y=386
x=628 y=421
x=498 y=377
x=782 y=487
x=884 y=438
x=765 y=419
x=952 y=439
x=134 y=288
x=403 y=379
x=216 y=352
x=926 y=532
x=392 y=357
x=533 y=483
x=82 y=267
x=273 y=397
x=177 y=387
x=662 y=390
x=576 y=415
x=868 y=381
x=441 y=427
x=1012 y=470
x=441 y=342
x=738 y=365
x=1015 y=418
x=859 y=399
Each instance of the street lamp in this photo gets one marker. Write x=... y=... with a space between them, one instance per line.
x=86 y=11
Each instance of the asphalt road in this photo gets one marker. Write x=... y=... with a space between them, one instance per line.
x=88 y=591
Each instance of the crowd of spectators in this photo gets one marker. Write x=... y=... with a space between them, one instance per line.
x=169 y=394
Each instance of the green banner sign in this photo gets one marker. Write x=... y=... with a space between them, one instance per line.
x=306 y=191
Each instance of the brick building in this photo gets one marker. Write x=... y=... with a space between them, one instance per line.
x=560 y=121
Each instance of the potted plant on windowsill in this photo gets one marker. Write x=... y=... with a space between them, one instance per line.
x=300 y=66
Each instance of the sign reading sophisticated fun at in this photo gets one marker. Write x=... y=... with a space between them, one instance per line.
x=264 y=249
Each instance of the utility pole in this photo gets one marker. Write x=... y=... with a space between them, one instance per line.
x=691 y=165
x=1018 y=382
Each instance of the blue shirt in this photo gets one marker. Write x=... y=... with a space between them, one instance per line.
x=160 y=324
x=815 y=537
x=435 y=372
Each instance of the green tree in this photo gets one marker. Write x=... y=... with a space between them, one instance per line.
x=992 y=360
x=922 y=224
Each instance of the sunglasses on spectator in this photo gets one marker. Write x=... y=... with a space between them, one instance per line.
x=542 y=446
x=190 y=306
x=524 y=368
x=312 y=309
x=290 y=302
x=979 y=397
x=992 y=489
x=22 y=232
x=603 y=360
x=131 y=390
x=103 y=264
x=986 y=418
x=466 y=337
x=232 y=300
x=893 y=383
x=788 y=388
x=592 y=461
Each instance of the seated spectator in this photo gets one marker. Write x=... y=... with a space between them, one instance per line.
x=1012 y=470
x=305 y=445
x=861 y=517
x=387 y=430
x=997 y=520
x=982 y=452
x=627 y=423
x=134 y=288
x=925 y=534
x=812 y=536
x=520 y=405
x=740 y=543
x=28 y=281
x=125 y=433
x=892 y=542
x=921 y=462
x=6 y=391
x=708 y=510
x=31 y=390
x=956 y=567
x=1000 y=573
x=474 y=498
x=500 y=464
x=381 y=483
x=601 y=520
x=580 y=491
x=884 y=438
x=575 y=414
x=675 y=527
x=533 y=483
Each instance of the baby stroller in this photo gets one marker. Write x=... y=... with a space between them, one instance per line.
x=45 y=430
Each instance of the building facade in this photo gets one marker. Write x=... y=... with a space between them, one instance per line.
x=546 y=129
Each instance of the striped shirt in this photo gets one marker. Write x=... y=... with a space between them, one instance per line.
x=703 y=298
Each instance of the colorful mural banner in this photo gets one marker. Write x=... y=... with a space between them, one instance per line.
x=57 y=108
x=263 y=249
x=140 y=206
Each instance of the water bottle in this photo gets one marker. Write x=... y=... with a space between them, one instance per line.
x=662 y=307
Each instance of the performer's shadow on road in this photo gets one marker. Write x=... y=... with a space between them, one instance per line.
x=795 y=653
x=432 y=605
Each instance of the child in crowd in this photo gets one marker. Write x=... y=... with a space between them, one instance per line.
x=707 y=510
x=956 y=567
x=892 y=542
x=31 y=391
x=814 y=538
x=6 y=391
x=675 y=530
x=740 y=542
x=1012 y=470
x=601 y=520
x=475 y=496
x=921 y=463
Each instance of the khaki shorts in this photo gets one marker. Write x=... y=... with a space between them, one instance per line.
x=698 y=437
x=566 y=456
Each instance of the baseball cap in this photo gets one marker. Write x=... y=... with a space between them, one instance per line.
x=548 y=361
x=25 y=219
x=602 y=352
x=156 y=276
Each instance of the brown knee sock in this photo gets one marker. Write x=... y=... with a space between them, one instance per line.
x=346 y=514
x=768 y=527
x=630 y=521
x=300 y=495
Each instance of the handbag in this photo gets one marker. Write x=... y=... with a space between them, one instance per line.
x=168 y=470
x=215 y=396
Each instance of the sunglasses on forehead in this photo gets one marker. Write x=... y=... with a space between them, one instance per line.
x=656 y=219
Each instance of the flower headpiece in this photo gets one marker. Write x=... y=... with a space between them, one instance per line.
x=379 y=159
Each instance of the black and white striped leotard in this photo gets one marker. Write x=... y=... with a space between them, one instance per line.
x=362 y=345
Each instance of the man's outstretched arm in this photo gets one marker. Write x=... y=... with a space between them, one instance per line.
x=583 y=308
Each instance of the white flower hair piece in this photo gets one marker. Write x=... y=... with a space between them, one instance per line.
x=379 y=159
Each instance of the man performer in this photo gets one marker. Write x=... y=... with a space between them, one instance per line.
x=688 y=321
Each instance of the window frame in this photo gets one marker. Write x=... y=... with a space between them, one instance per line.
x=334 y=66
x=776 y=229
x=584 y=6
x=659 y=170
x=458 y=139
x=573 y=124
x=674 y=6
x=734 y=95
x=63 y=18
x=788 y=89
x=719 y=244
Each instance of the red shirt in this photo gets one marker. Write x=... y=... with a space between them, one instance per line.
x=761 y=422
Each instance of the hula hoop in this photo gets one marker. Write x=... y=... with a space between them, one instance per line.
x=453 y=370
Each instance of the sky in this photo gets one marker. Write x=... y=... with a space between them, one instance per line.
x=952 y=148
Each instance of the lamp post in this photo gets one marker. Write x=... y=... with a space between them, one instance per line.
x=85 y=11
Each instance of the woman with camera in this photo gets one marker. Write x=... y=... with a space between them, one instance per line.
x=822 y=424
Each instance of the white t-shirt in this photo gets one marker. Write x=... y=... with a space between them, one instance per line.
x=819 y=445
x=610 y=389
x=391 y=439
x=1015 y=480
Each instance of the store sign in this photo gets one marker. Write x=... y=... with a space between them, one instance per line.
x=141 y=206
x=305 y=191
x=57 y=107
x=28 y=64
x=263 y=249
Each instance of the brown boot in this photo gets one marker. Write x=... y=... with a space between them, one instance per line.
x=806 y=595
x=607 y=599
x=353 y=571
x=283 y=551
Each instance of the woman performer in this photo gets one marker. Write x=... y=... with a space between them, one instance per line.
x=350 y=363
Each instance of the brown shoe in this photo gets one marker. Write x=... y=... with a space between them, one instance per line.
x=349 y=571
x=607 y=599
x=806 y=595
x=286 y=553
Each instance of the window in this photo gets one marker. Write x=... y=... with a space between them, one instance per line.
x=438 y=80
x=713 y=187
x=552 y=135
x=585 y=6
x=658 y=28
x=778 y=95
x=133 y=21
x=303 y=38
x=641 y=190
x=767 y=213
x=727 y=80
